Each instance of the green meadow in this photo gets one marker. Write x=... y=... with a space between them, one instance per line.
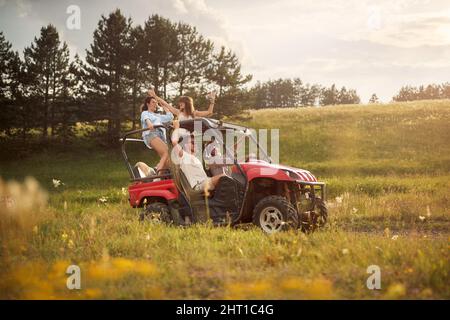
x=387 y=168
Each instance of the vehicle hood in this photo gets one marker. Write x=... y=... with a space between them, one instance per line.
x=294 y=173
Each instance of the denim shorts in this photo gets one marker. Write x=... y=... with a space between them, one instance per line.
x=152 y=135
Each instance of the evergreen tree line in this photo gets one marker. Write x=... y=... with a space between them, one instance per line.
x=47 y=92
x=294 y=93
x=431 y=91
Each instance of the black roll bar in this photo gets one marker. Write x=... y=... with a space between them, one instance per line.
x=124 y=153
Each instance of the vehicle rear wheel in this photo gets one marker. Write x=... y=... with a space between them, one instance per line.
x=274 y=214
x=157 y=212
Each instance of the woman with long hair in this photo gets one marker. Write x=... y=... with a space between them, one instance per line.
x=186 y=106
x=155 y=138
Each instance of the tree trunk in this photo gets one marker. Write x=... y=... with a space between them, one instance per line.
x=165 y=82
x=45 y=122
x=181 y=87
x=156 y=79
x=52 y=115
x=133 y=104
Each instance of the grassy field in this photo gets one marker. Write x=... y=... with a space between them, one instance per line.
x=387 y=168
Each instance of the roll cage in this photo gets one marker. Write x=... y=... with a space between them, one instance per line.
x=189 y=125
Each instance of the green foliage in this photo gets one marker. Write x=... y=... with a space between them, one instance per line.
x=431 y=91
x=47 y=69
x=374 y=98
x=386 y=168
x=331 y=96
x=162 y=51
x=195 y=52
x=122 y=62
x=106 y=72
x=284 y=93
x=225 y=72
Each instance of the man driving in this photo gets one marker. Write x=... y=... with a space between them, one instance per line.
x=190 y=165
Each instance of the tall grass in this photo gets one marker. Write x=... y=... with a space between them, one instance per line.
x=387 y=172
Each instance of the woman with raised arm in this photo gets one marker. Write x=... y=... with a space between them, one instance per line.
x=186 y=106
x=155 y=138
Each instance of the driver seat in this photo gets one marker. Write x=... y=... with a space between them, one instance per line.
x=217 y=203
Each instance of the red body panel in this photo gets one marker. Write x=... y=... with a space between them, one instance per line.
x=259 y=169
x=139 y=190
x=254 y=169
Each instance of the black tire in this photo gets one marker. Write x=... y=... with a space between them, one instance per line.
x=317 y=218
x=157 y=212
x=274 y=214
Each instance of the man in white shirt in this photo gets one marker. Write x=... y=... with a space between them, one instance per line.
x=190 y=165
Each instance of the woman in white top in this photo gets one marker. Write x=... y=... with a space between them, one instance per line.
x=186 y=106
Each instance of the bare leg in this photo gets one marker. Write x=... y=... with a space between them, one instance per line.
x=161 y=148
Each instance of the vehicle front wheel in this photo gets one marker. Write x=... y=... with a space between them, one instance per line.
x=157 y=212
x=316 y=218
x=274 y=214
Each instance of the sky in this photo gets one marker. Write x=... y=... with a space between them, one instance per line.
x=371 y=46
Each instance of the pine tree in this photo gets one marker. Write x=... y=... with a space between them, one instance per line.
x=106 y=71
x=445 y=91
x=329 y=96
x=161 y=52
x=406 y=93
x=47 y=63
x=136 y=72
x=225 y=72
x=352 y=97
x=194 y=55
x=6 y=110
x=374 y=99
x=5 y=58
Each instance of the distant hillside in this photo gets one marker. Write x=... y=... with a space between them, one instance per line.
x=397 y=138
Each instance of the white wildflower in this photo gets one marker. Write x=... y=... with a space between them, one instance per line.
x=103 y=199
x=57 y=183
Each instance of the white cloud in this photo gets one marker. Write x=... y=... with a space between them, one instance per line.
x=371 y=45
x=410 y=30
x=23 y=8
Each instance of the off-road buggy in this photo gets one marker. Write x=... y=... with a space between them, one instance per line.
x=271 y=196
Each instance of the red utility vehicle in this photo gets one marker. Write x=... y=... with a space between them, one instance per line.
x=273 y=197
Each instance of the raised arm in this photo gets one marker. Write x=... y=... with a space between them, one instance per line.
x=167 y=117
x=175 y=137
x=207 y=113
x=163 y=103
x=149 y=124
